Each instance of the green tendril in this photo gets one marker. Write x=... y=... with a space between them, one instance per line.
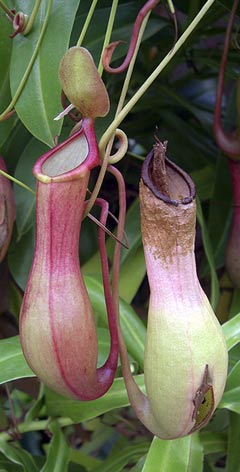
x=4 y=7
x=128 y=107
x=87 y=22
x=16 y=181
x=32 y=18
x=108 y=33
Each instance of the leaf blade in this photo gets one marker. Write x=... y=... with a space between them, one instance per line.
x=40 y=100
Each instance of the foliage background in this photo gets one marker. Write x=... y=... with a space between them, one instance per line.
x=41 y=430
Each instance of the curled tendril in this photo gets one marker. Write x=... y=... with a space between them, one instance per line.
x=228 y=142
x=109 y=50
x=19 y=23
x=122 y=147
x=22 y=24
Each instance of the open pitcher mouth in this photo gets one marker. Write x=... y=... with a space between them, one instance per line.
x=67 y=158
x=71 y=158
x=171 y=184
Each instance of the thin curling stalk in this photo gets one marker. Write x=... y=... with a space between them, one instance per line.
x=109 y=50
x=186 y=357
x=57 y=327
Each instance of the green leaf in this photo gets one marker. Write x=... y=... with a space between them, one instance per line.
x=213 y=442
x=103 y=345
x=12 y=362
x=233 y=452
x=79 y=411
x=7 y=466
x=5 y=47
x=25 y=200
x=3 y=416
x=6 y=125
x=40 y=100
x=139 y=465
x=18 y=456
x=132 y=274
x=231 y=396
x=203 y=179
x=235 y=303
x=34 y=410
x=20 y=258
x=231 y=330
x=220 y=210
x=133 y=267
x=5 y=56
x=87 y=461
x=195 y=454
x=120 y=459
x=209 y=255
x=230 y=400
x=182 y=455
x=133 y=329
x=14 y=145
x=58 y=452
x=15 y=301
x=133 y=231
x=233 y=380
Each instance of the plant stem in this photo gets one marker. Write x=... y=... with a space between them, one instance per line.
x=120 y=232
x=16 y=181
x=107 y=153
x=40 y=425
x=108 y=33
x=171 y=7
x=30 y=65
x=87 y=22
x=32 y=17
x=112 y=321
x=4 y=7
x=128 y=107
x=147 y=7
x=101 y=175
x=131 y=65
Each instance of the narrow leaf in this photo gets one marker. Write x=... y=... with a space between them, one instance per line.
x=12 y=362
x=220 y=210
x=18 y=456
x=79 y=411
x=209 y=255
x=231 y=396
x=233 y=452
x=132 y=273
x=213 y=442
x=133 y=329
x=58 y=452
x=231 y=331
x=183 y=455
x=25 y=200
x=120 y=459
x=5 y=55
